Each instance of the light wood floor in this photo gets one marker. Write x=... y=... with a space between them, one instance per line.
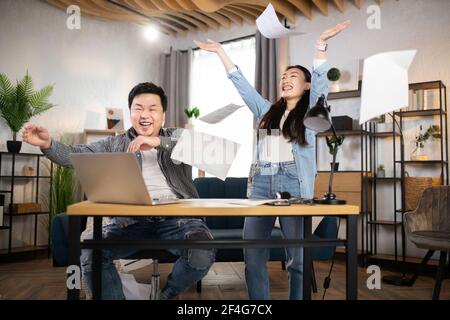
x=37 y=279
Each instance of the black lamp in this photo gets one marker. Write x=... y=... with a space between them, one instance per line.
x=318 y=119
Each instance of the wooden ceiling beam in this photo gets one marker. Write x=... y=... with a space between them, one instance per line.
x=205 y=19
x=304 y=6
x=340 y=5
x=244 y=15
x=322 y=5
x=187 y=4
x=357 y=3
x=232 y=16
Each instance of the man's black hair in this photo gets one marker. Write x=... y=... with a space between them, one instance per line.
x=147 y=87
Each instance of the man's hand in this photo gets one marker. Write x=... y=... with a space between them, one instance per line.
x=143 y=143
x=37 y=136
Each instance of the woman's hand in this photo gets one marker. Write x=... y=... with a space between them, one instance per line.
x=143 y=143
x=216 y=47
x=330 y=33
x=209 y=45
x=37 y=136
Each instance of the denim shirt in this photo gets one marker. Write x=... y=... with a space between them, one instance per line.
x=304 y=155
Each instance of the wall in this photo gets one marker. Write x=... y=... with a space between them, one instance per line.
x=91 y=68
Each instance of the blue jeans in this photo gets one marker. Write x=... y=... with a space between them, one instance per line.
x=267 y=180
x=191 y=266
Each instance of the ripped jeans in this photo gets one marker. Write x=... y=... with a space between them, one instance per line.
x=191 y=266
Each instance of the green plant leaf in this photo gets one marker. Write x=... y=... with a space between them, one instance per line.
x=19 y=103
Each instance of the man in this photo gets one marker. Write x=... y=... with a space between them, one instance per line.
x=152 y=146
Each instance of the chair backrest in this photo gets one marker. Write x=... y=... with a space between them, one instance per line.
x=433 y=212
x=231 y=188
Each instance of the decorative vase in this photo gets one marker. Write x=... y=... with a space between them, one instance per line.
x=13 y=146
x=418 y=154
x=334 y=86
x=190 y=124
x=381 y=173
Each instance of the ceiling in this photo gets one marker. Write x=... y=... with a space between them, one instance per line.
x=178 y=17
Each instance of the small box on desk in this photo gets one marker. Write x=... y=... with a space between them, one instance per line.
x=342 y=123
x=18 y=208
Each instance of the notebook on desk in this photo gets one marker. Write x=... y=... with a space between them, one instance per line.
x=114 y=178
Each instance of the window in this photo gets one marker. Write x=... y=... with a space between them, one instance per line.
x=211 y=90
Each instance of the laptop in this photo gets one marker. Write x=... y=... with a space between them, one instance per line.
x=114 y=178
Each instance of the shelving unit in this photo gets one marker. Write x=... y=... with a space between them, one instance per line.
x=12 y=179
x=401 y=162
x=373 y=223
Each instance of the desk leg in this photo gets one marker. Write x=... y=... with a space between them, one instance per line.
x=97 y=261
x=307 y=230
x=74 y=252
x=352 y=259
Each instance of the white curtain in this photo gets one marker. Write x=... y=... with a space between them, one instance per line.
x=211 y=90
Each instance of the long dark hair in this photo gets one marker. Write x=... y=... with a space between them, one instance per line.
x=293 y=128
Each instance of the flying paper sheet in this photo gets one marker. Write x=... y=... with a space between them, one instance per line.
x=269 y=25
x=385 y=83
x=212 y=154
x=220 y=114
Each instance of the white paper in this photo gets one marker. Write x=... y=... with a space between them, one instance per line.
x=212 y=154
x=130 y=265
x=220 y=114
x=134 y=290
x=269 y=25
x=385 y=83
x=213 y=203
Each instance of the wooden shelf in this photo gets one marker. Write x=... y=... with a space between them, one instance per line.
x=26 y=214
x=422 y=161
x=346 y=94
x=24 y=249
x=384 y=134
x=26 y=177
x=344 y=133
x=4 y=227
x=385 y=222
x=428 y=85
x=5 y=191
x=420 y=113
x=386 y=178
x=22 y=154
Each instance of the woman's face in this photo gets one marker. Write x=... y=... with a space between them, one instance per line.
x=293 y=84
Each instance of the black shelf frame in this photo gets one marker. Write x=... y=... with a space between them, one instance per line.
x=365 y=135
x=400 y=175
x=12 y=178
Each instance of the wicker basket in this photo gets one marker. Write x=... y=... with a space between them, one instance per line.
x=414 y=187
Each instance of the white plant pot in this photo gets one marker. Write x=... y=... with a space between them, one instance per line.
x=334 y=86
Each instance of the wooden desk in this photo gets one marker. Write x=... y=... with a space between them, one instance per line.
x=208 y=207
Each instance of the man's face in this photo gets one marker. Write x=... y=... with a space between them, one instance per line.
x=147 y=114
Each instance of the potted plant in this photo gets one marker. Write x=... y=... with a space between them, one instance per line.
x=192 y=113
x=334 y=74
x=333 y=144
x=19 y=103
x=380 y=171
x=434 y=132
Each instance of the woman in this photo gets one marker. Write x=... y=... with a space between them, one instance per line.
x=289 y=167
